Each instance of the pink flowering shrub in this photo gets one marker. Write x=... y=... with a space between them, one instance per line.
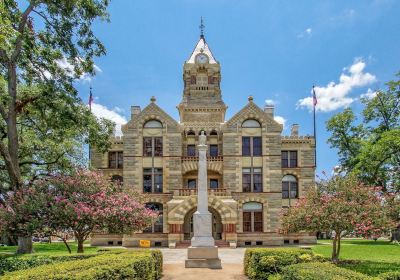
x=342 y=205
x=80 y=204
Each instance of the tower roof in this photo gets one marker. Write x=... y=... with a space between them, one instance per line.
x=202 y=47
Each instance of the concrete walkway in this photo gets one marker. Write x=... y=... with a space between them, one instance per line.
x=232 y=266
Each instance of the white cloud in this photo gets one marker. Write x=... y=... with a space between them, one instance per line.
x=101 y=111
x=64 y=64
x=334 y=96
x=305 y=33
x=269 y=102
x=369 y=94
x=280 y=120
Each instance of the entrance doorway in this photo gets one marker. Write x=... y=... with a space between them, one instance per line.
x=216 y=224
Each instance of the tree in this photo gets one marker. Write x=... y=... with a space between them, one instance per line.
x=342 y=205
x=370 y=147
x=23 y=214
x=44 y=47
x=86 y=201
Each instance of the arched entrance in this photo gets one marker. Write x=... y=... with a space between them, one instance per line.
x=216 y=224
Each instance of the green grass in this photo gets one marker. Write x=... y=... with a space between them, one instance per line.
x=365 y=256
x=359 y=249
x=55 y=248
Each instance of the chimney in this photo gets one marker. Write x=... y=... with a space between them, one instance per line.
x=135 y=110
x=269 y=109
x=294 y=131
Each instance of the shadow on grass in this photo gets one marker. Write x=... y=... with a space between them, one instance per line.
x=370 y=267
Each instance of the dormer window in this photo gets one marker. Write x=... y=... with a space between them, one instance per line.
x=153 y=124
x=251 y=124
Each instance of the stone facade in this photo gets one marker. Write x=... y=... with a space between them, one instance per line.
x=253 y=170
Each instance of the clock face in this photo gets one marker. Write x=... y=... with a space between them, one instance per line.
x=202 y=58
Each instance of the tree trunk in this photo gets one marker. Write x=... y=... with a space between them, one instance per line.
x=80 y=244
x=334 y=249
x=395 y=235
x=66 y=244
x=25 y=245
x=338 y=248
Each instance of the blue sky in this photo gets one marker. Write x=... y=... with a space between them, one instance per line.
x=273 y=50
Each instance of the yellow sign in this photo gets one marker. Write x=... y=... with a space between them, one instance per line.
x=144 y=243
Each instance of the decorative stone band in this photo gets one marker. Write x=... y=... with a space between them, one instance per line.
x=229 y=228
x=175 y=228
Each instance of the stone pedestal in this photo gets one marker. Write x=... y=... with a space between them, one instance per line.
x=203 y=257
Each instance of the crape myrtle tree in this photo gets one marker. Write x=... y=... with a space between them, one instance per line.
x=80 y=203
x=342 y=205
x=45 y=45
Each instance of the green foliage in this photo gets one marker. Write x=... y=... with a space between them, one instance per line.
x=370 y=146
x=18 y=263
x=260 y=263
x=143 y=265
x=370 y=268
x=318 y=271
x=393 y=275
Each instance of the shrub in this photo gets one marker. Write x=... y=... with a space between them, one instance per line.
x=317 y=271
x=13 y=263
x=143 y=265
x=392 y=275
x=259 y=263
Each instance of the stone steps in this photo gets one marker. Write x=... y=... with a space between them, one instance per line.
x=186 y=244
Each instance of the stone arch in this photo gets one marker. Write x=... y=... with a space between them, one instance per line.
x=177 y=215
x=147 y=118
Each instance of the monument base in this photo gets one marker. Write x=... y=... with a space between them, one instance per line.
x=203 y=257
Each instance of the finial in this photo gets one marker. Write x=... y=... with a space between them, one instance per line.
x=153 y=99
x=250 y=98
x=201 y=27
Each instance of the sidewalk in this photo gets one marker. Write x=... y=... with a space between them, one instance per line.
x=232 y=266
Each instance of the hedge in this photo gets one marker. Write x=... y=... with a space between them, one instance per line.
x=260 y=263
x=13 y=263
x=139 y=265
x=318 y=270
x=392 y=275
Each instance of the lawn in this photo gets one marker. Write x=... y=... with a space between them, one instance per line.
x=55 y=248
x=369 y=257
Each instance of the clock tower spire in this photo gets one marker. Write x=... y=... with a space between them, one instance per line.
x=202 y=99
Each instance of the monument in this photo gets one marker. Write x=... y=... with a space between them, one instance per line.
x=202 y=253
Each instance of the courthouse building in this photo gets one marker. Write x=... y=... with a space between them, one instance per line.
x=253 y=170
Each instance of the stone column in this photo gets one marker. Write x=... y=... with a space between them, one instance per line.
x=203 y=253
x=202 y=219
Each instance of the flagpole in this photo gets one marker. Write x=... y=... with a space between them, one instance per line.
x=315 y=134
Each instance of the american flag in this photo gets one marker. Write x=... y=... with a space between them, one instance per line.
x=315 y=101
x=90 y=99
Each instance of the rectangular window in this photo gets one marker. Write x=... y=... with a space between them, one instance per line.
x=247 y=221
x=252 y=180
x=213 y=150
x=257 y=180
x=193 y=80
x=213 y=183
x=257 y=147
x=191 y=150
x=147 y=146
x=285 y=189
x=115 y=160
x=191 y=184
x=246 y=149
x=258 y=221
x=289 y=159
x=152 y=146
x=152 y=180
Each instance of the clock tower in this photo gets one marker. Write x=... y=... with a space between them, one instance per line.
x=202 y=100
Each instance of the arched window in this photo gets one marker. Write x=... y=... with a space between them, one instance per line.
x=153 y=124
x=289 y=187
x=117 y=178
x=250 y=123
x=252 y=217
x=191 y=132
x=213 y=132
x=157 y=226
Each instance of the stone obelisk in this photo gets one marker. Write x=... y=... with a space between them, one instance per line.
x=202 y=252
